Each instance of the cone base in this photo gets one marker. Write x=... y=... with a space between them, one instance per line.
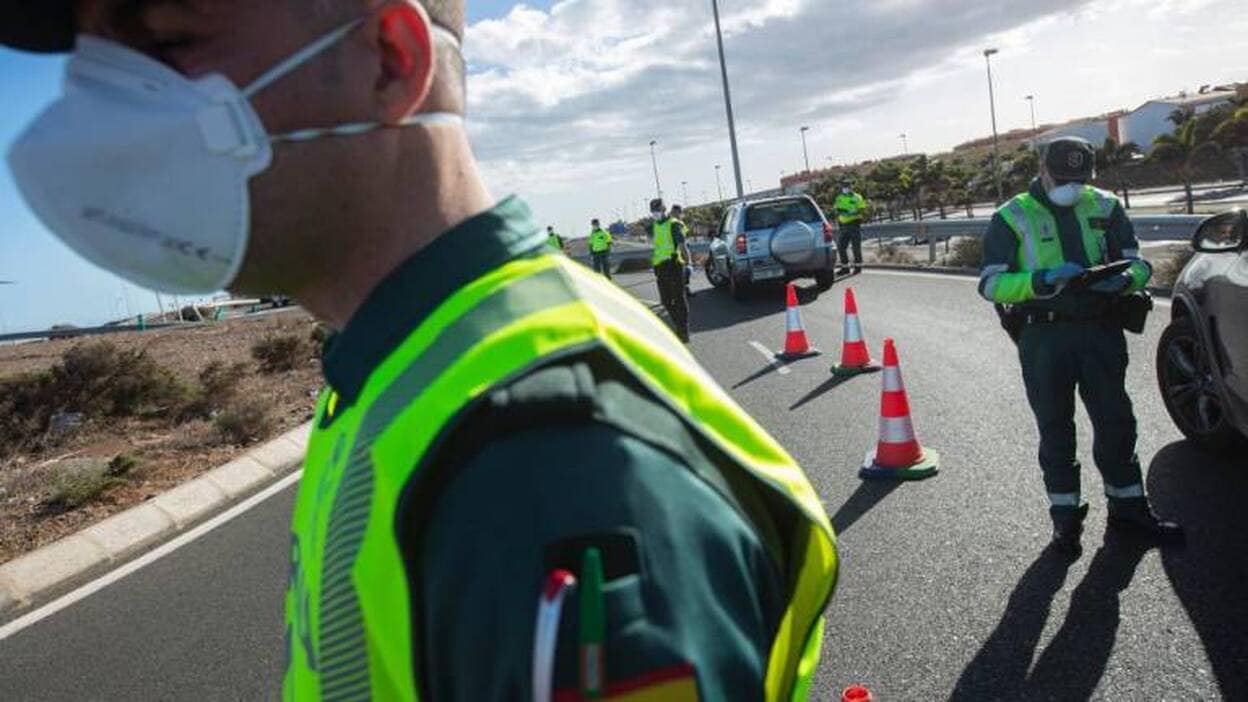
x=849 y=371
x=928 y=466
x=810 y=353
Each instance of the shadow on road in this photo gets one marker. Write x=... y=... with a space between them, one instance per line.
x=869 y=494
x=1209 y=496
x=716 y=309
x=828 y=386
x=1072 y=664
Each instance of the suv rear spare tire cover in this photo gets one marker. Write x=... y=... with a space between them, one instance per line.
x=793 y=243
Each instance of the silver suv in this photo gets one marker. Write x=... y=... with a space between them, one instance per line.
x=776 y=239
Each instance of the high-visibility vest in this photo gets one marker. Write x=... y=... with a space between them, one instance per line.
x=599 y=241
x=555 y=241
x=664 y=243
x=347 y=606
x=849 y=208
x=1040 y=243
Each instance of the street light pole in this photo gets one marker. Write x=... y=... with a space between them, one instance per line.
x=905 y=147
x=684 y=189
x=805 y=153
x=992 y=107
x=732 y=127
x=655 y=161
x=1035 y=135
x=719 y=184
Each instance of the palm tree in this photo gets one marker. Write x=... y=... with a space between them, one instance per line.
x=937 y=184
x=1232 y=134
x=1183 y=150
x=1111 y=158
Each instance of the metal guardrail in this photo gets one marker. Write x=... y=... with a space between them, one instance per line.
x=94 y=331
x=1147 y=228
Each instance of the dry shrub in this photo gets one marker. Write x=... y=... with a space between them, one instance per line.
x=218 y=386
x=281 y=353
x=1166 y=273
x=968 y=252
x=891 y=253
x=245 y=421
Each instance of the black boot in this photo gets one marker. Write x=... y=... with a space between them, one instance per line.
x=1067 y=528
x=1134 y=517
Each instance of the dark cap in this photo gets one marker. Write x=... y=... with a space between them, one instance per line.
x=656 y=204
x=1070 y=159
x=46 y=26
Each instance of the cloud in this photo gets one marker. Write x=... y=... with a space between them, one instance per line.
x=556 y=96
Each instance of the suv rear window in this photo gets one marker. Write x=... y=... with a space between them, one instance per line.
x=769 y=215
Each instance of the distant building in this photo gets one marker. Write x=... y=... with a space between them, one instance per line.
x=1152 y=119
x=1094 y=130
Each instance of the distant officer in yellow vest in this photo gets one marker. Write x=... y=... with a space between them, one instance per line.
x=1070 y=336
x=851 y=208
x=553 y=240
x=680 y=231
x=669 y=267
x=497 y=418
x=600 y=248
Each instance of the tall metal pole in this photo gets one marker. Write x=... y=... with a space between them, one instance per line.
x=1035 y=134
x=719 y=184
x=905 y=146
x=992 y=107
x=805 y=153
x=732 y=127
x=655 y=161
x=684 y=189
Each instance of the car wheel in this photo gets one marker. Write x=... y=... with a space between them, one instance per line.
x=824 y=280
x=712 y=274
x=1189 y=388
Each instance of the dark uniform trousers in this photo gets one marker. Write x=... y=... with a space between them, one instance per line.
x=1091 y=355
x=851 y=233
x=602 y=262
x=670 y=276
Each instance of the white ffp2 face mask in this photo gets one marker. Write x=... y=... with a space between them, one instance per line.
x=1066 y=195
x=145 y=172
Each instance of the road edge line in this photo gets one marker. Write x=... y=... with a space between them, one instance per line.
x=40 y=574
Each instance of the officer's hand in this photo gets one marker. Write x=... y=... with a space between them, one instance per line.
x=1112 y=286
x=1062 y=274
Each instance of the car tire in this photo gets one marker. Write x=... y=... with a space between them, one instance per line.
x=824 y=280
x=1188 y=389
x=712 y=274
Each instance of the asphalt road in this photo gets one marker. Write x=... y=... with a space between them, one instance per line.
x=945 y=592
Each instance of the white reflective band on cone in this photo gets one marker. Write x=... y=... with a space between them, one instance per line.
x=1064 y=499
x=853 y=332
x=1124 y=493
x=898 y=430
x=892 y=379
x=793 y=318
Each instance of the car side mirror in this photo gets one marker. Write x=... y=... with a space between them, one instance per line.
x=1221 y=233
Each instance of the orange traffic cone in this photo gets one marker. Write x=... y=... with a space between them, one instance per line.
x=857 y=693
x=796 y=345
x=855 y=358
x=898 y=455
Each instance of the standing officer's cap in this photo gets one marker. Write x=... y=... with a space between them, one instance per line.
x=45 y=26
x=1070 y=159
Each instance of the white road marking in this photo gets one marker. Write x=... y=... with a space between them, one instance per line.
x=768 y=354
x=147 y=559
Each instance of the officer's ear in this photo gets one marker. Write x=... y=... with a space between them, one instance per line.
x=407 y=56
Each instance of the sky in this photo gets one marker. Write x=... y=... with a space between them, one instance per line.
x=565 y=96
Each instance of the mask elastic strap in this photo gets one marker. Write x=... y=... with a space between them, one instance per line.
x=317 y=47
x=365 y=127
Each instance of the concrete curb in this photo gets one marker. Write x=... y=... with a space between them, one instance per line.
x=54 y=568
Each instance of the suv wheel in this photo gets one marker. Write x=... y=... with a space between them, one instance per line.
x=712 y=273
x=1189 y=388
x=825 y=279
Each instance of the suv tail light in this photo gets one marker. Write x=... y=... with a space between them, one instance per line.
x=741 y=244
x=828 y=233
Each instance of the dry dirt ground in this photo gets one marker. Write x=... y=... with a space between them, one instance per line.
x=166 y=453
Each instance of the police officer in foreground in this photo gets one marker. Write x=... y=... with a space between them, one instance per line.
x=850 y=208
x=495 y=415
x=1037 y=253
x=669 y=266
x=600 y=248
x=553 y=240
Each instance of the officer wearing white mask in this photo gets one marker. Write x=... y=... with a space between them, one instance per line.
x=498 y=421
x=1037 y=253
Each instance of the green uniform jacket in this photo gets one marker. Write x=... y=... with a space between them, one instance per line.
x=599 y=240
x=849 y=208
x=517 y=504
x=1002 y=255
